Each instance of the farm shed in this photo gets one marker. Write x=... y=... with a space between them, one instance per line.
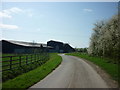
x=10 y=46
x=59 y=47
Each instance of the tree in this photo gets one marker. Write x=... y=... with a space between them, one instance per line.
x=105 y=40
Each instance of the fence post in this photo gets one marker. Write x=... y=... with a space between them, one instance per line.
x=20 y=61
x=10 y=62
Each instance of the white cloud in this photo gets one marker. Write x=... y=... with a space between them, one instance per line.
x=6 y=26
x=4 y=15
x=15 y=10
x=87 y=10
x=7 y=13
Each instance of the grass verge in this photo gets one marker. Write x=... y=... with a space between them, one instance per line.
x=28 y=79
x=110 y=68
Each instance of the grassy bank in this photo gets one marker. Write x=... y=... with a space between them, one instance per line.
x=28 y=79
x=110 y=68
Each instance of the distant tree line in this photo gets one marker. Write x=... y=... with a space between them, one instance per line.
x=81 y=50
x=105 y=39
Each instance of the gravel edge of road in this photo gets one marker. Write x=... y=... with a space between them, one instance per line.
x=105 y=76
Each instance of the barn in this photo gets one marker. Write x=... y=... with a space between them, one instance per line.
x=59 y=47
x=10 y=46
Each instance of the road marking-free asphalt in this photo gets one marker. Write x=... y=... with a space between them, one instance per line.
x=72 y=73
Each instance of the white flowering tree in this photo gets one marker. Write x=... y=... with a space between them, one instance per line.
x=105 y=40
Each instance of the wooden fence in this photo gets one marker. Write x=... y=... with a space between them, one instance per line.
x=15 y=61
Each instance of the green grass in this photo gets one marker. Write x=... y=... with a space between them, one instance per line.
x=110 y=68
x=32 y=63
x=28 y=79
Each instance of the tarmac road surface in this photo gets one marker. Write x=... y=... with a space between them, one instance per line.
x=72 y=73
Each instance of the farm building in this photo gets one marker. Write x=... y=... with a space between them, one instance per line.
x=59 y=47
x=10 y=46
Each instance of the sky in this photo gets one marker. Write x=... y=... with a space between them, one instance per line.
x=69 y=22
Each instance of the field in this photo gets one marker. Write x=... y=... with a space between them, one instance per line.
x=110 y=68
x=27 y=79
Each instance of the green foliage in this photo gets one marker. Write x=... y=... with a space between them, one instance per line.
x=28 y=79
x=105 y=40
x=82 y=50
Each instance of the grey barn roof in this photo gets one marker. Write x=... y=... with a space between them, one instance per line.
x=28 y=44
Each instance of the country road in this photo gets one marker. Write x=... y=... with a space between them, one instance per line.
x=72 y=73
